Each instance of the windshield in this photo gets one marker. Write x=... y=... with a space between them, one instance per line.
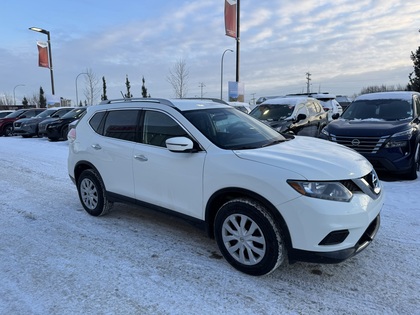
x=46 y=113
x=381 y=109
x=271 y=112
x=75 y=113
x=232 y=129
x=16 y=113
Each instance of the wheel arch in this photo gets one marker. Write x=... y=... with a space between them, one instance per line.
x=81 y=166
x=224 y=195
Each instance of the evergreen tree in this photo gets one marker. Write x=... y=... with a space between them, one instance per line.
x=127 y=84
x=42 y=99
x=414 y=84
x=25 y=102
x=144 y=89
x=103 y=96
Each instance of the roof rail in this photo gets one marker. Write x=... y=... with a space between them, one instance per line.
x=138 y=99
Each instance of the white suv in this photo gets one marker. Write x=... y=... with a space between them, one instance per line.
x=265 y=198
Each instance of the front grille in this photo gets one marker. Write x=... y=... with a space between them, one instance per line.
x=369 y=184
x=361 y=144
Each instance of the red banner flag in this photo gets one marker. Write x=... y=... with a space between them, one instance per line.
x=43 y=54
x=230 y=18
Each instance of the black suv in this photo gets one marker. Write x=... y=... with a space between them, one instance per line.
x=58 y=128
x=384 y=127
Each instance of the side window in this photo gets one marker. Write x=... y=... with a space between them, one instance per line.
x=318 y=108
x=157 y=127
x=302 y=109
x=311 y=109
x=121 y=124
x=30 y=113
x=95 y=122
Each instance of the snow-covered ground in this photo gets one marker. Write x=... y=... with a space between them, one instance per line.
x=56 y=259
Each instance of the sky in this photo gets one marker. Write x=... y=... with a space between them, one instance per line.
x=57 y=259
x=344 y=45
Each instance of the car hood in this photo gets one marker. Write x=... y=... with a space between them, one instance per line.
x=366 y=127
x=312 y=158
x=48 y=120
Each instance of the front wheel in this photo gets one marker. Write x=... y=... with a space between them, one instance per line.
x=92 y=193
x=8 y=130
x=412 y=174
x=248 y=237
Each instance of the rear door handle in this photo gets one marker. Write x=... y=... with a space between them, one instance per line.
x=96 y=146
x=141 y=158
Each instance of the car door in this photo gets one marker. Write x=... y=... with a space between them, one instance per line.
x=301 y=127
x=173 y=180
x=116 y=148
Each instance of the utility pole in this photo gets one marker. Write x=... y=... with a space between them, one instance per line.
x=253 y=98
x=308 y=79
x=201 y=86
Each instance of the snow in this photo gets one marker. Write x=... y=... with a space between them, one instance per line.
x=56 y=259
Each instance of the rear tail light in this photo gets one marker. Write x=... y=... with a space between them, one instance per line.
x=71 y=136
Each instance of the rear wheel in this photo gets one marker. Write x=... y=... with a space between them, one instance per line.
x=92 y=193
x=248 y=237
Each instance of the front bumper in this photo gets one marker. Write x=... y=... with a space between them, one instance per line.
x=331 y=231
x=339 y=255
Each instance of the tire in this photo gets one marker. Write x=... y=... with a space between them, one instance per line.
x=412 y=173
x=8 y=130
x=64 y=132
x=92 y=194
x=248 y=237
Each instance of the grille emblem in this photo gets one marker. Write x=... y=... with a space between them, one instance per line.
x=355 y=142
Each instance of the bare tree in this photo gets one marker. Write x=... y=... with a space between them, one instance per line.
x=6 y=99
x=178 y=78
x=34 y=100
x=92 y=90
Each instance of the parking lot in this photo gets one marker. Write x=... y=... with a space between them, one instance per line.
x=56 y=259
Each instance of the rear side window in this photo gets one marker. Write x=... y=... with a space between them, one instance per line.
x=95 y=122
x=121 y=124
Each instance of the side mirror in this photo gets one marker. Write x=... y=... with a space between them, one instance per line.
x=179 y=144
x=335 y=116
x=300 y=117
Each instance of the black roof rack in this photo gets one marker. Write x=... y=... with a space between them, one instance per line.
x=138 y=99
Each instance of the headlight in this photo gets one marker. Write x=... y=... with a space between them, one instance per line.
x=325 y=132
x=322 y=190
x=400 y=139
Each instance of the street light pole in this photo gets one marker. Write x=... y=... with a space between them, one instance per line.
x=77 y=95
x=14 y=95
x=40 y=30
x=221 y=73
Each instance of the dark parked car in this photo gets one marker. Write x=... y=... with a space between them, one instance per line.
x=298 y=115
x=6 y=123
x=28 y=127
x=57 y=129
x=384 y=127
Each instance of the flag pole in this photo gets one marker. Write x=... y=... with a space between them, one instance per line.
x=237 y=38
